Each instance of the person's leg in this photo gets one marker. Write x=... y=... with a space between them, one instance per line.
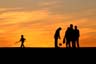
x=73 y=44
x=56 y=43
x=21 y=44
x=67 y=44
x=78 y=42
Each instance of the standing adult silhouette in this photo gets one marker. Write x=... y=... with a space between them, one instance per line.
x=76 y=36
x=57 y=36
x=68 y=38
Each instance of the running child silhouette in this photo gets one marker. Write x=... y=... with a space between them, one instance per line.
x=22 y=40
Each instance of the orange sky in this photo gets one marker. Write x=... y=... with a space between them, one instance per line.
x=38 y=20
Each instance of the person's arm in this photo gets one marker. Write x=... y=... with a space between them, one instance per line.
x=18 y=41
x=24 y=39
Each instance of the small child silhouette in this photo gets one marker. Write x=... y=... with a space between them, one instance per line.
x=22 y=40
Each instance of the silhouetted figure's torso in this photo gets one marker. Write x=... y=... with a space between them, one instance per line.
x=56 y=37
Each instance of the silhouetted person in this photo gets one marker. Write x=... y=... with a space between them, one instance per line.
x=57 y=36
x=22 y=40
x=68 y=38
x=76 y=36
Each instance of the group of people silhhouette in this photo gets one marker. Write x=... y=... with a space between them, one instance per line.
x=72 y=35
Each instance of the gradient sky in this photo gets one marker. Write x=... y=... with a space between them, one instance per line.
x=38 y=20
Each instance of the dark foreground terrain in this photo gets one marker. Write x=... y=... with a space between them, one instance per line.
x=45 y=48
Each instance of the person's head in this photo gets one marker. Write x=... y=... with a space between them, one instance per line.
x=71 y=25
x=68 y=28
x=59 y=28
x=75 y=27
x=22 y=36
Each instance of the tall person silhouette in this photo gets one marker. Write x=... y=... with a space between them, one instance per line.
x=57 y=36
x=76 y=36
x=68 y=38
x=22 y=40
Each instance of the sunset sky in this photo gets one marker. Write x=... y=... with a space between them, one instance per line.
x=38 y=20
